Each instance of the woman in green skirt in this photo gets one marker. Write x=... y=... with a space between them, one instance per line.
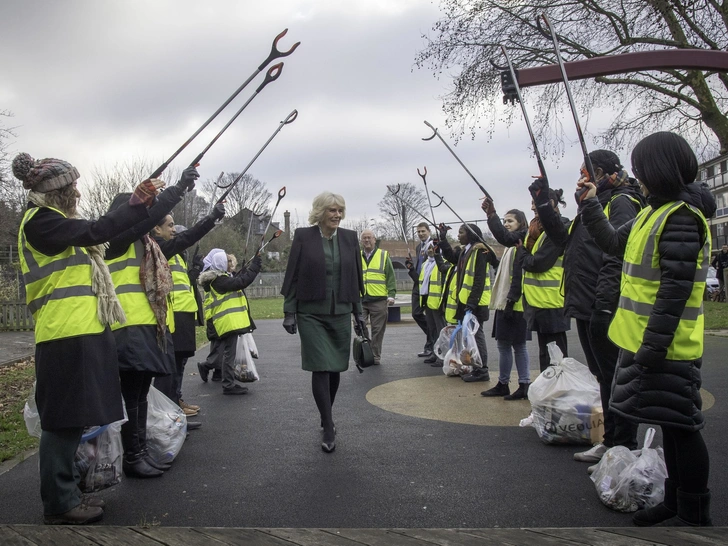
x=322 y=288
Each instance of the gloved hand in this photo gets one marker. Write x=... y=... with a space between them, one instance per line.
x=488 y=207
x=442 y=232
x=539 y=189
x=289 y=323
x=187 y=180
x=198 y=262
x=218 y=212
x=408 y=263
x=257 y=261
x=508 y=311
x=599 y=322
x=145 y=192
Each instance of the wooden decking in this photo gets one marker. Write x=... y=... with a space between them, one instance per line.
x=27 y=535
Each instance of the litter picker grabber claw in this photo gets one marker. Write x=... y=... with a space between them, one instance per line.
x=511 y=93
x=429 y=201
x=290 y=118
x=272 y=75
x=402 y=232
x=394 y=190
x=478 y=237
x=281 y=195
x=214 y=192
x=277 y=234
x=274 y=54
x=436 y=134
x=255 y=211
x=550 y=34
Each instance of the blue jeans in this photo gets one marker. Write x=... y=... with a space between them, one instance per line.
x=507 y=349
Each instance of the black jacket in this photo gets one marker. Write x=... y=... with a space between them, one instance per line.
x=307 y=266
x=647 y=387
x=591 y=277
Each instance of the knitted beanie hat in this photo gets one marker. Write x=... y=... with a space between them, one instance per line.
x=43 y=175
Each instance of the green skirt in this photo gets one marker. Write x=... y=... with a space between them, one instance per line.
x=325 y=342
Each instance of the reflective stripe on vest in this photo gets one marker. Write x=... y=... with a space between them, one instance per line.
x=543 y=290
x=58 y=289
x=228 y=312
x=469 y=279
x=125 y=272
x=375 y=278
x=633 y=199
x=451 y=303
x=641 y=282
x=183 y=296
x=435 y=288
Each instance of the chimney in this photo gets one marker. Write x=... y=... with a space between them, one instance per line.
x=287 y=224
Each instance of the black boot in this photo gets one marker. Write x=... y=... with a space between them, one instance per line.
x=693 y=510
x=329 y=440
x=657 y=514
x=501 y=389
x=137 y=467
x=519 y=394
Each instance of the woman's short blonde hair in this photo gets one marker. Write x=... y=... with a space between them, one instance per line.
x=323 y=201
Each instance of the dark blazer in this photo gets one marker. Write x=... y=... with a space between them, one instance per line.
x=307 y=266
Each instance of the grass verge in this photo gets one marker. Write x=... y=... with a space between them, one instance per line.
x=16 y=382
x=716 y=315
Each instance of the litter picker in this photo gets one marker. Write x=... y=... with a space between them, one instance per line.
x=274 y=54
x=467 y=226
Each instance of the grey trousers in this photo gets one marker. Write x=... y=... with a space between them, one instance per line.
x=376 y=312
x=227 y=347
x=58 y=475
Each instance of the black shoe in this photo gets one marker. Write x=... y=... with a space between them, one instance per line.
x=426 y=352
x=193 y=425
x=159 y=466
x=519 y=394
x=501 y=389
x=139 y=469
x=204 y=371
x=437 y=364
x=237 y=389
x=79 y=515
x=431 y=359
x=328 y=445
x=217 y=375
x=479 y=374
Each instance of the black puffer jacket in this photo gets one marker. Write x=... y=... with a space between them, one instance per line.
x=647 y=387
x=591 y=277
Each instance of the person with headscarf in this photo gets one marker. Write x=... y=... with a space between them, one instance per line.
x=226 y=309
x=659 y=323
x=323 y=287
x=144 y=346
x=470 y=287
x=591 y=285
x=173 y=244
x=71 y=296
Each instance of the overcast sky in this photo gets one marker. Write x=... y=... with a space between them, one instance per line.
x=96 y=82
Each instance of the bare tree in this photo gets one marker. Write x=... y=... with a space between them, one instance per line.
x=249 y=193
x=399 y=211
x=690 y=102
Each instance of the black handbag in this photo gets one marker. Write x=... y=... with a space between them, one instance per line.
x=361 y=347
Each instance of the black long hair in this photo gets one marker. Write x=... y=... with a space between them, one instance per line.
x=665 y=163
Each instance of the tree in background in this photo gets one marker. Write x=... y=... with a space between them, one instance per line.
x=690 y=102
x=396 y=216
x=249 y=193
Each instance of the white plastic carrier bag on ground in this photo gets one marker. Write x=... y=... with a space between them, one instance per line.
x=166 y=427
x=627 y=481
x=99 y=457
x=245 y=370
x=462 y=356
x=565 y=402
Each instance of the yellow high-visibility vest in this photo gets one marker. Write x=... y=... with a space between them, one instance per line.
x=435 y=287
x=183 y=295
x=228 y=311
x=58 y=289
x=375 y=278
x=641 y=280
x=543 y=290
x=469 y=279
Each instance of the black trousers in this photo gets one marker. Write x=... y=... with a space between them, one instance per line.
x=418 y=313
x=544 y=360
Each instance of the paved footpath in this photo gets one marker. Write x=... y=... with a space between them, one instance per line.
x=415 y=449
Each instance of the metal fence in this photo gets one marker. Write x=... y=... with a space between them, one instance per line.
x=15 y=316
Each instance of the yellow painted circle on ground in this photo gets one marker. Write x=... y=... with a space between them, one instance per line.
x=453 y=400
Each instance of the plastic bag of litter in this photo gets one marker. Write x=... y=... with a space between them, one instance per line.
x=31 y=416
x=99 y=457
x=245 y=370
x=166 y=427
x=566 y=403
x=627 y=481
x=462 y=356
x=251 y=344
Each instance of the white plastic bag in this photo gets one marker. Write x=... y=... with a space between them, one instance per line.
x=99 y=457
x=627 y=482
x=442 y=345
x=565 y=402
x=462 y=356
x=251 y=344
x=245 y=370
x=31 y=416
x=166 y=427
